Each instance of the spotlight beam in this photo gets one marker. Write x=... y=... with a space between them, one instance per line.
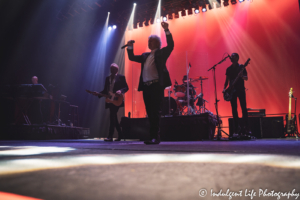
x=120 y=55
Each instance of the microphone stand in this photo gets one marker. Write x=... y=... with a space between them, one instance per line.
x=219 y=135
x=296 y=124
x=188 y=90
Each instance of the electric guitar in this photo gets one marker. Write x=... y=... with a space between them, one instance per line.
x=291 y=128
x=113 y=98
x=231 y=90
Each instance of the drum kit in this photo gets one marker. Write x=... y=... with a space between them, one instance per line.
x=187 y=101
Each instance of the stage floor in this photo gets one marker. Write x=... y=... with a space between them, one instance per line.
x=93 y=169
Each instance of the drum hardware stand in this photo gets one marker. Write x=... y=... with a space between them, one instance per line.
x=169 y=96
x=219 y=134
x=202 y=111
x=188 y=89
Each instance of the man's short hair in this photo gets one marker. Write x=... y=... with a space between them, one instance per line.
x=156 y=38
x=236 y=55
x=114 y=65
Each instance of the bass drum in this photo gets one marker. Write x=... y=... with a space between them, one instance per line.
x=165 y=108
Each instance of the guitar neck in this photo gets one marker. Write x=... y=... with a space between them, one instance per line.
x=103 y=95
x=290 y=109
x=235 y=80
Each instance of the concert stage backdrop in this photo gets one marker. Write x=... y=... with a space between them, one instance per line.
x=266 y=31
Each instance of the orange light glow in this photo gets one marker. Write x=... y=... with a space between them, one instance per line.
x=267 y=31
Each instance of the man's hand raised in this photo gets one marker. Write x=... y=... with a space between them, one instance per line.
x=165 y=25
x=130 y=43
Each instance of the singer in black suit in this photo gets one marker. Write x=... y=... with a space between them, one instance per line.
x=115 y=83
x=154 y=78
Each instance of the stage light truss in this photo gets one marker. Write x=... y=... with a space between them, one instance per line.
x=171 y=9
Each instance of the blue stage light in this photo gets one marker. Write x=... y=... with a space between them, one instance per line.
x=204 y=9
x=114 y=26
x=196 y=11
x=109 y=28
x=165 y=19
x=241 y=1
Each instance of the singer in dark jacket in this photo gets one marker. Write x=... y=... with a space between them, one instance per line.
x=154 y=78
x=115 y=83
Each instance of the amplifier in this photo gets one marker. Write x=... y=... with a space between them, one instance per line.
x=262 y=127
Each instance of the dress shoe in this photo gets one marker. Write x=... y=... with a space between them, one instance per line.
x=108 y=140
x=118 y=139
x=153 y=141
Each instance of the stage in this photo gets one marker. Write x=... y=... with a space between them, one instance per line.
x=56 y=51
x=43 y=132
x=49 y=169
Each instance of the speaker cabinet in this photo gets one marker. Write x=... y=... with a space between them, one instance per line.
x=262 y=127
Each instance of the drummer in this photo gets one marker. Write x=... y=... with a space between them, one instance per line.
x=192 y=91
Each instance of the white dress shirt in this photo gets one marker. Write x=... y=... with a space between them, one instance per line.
x=150 y=71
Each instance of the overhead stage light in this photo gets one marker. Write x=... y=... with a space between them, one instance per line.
x=202 y=4
x=109 y=28
x=165 y=19
x=157 y=20
x=170 y=15
x=226 y=3
x=114 y=26
x=241 y=1
x=183 y=12
x=197 y=11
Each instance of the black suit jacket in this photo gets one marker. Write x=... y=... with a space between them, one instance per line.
x=161 y=56
x=120 y=84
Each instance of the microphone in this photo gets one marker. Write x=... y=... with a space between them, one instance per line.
x=127 y=45
x=229 y=57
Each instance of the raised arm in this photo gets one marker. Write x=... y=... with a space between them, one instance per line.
x=170 y=42
x=131 y=56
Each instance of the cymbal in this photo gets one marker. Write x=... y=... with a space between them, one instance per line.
x=201 y=78
x=190 y=80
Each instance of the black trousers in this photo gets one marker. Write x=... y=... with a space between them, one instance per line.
x=114 y=123
x=241 y=94
x=153 y=96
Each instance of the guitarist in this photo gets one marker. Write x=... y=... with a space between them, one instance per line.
x=231 y=74
x=115 y=83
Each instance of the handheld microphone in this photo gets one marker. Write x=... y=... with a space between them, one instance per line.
x=127 y=45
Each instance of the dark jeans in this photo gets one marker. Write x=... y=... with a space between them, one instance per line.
x=242 y=98
x=114 y=123
x=153 y=97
